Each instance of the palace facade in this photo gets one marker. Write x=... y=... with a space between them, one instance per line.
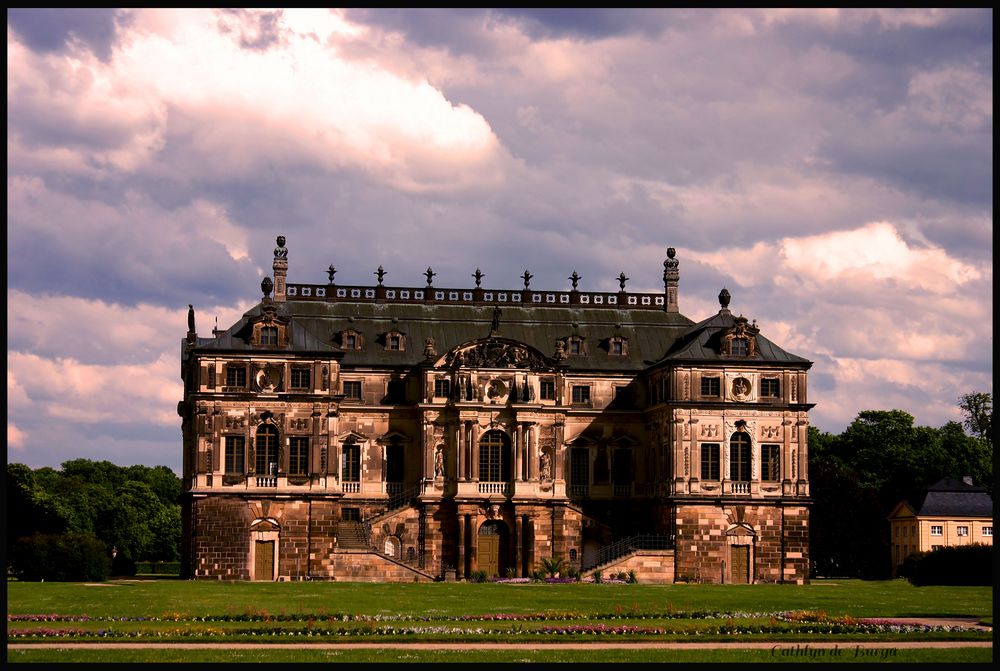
x=392 y=433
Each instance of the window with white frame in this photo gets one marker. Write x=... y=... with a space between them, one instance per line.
x=962 y=531
x=937 y=530
x=988 y=531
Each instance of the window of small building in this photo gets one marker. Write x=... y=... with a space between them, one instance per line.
x=710 y=461
x=442 y=388
x=581 y=394
x=547 y=389
x=352 y=390
x=711 y=385
x=236 y=449
x=988 y=531
x=268 y=335
x=770 y=387
x=770 y=463
x=962 y=531
x=236 y=376
x=301 y=377
x=298 y=455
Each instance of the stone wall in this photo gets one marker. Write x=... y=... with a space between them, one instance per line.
x=652 y=567
x=778 y=538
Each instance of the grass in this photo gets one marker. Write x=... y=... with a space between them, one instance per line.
x=197 y=612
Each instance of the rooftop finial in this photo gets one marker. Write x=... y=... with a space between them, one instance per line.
x=724 y=298
x=479 y=277
x=379 y=274
x=280 y=252
x=575 y=278
x=266 y=285
x=190 y=318
x=622 y=280
x=330 y=272
x=430 y=275
x=527 y=278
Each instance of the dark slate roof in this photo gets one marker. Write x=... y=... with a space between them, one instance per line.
x=236 y=337
x=951 y=497
x=649 y=332
x=702 y=342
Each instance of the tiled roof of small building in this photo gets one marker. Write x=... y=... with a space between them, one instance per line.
x=952 y=497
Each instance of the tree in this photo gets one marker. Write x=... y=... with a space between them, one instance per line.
x=978 y=410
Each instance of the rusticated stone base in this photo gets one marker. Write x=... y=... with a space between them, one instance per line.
x=740 y=543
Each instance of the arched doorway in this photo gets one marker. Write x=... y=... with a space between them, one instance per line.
x=263 y=560
x=492 y=548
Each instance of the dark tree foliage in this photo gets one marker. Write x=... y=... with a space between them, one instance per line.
x=978 y=410
x=134 y=509
x=63 y=557
x=951 y=565
x=859 y=476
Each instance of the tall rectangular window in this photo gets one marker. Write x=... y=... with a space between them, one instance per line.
x=236 y=376
x=579 y=470
x=739 y=458
x=298 y=455
x=581 y=394
x=711 y=386
x=547 y=389
x=709 y=461
x=300 y=378
x=770 y=463
x=352 y=390
x=352 y=463
x=236 y=454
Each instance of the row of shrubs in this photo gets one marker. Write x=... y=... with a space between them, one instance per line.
x=548 y=571
x=950 y=565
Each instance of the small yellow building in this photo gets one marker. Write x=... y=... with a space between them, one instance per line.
x=950 y=512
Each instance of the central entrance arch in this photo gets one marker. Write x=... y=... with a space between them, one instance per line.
x=492 y=548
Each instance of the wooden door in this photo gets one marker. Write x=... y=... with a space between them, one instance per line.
x=740 y=557
x=489 y=554
x=264 y=561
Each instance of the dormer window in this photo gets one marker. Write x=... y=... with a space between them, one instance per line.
x=618 y=346
x=575 y=346
x=269 y=335
x=395 y=341
x=351 y=340
x=740 y=340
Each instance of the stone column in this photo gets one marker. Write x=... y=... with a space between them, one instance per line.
x=460 y=547
x=532 y=439
x=519 y=451
x=463 y=459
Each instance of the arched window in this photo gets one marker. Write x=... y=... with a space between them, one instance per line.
x=267 y=450
x=739 y=457
x=494 y=457
x=391 y=546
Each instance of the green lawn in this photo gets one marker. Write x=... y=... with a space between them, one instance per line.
x=198 y=612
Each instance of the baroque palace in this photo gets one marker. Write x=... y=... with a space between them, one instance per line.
x=390 y=433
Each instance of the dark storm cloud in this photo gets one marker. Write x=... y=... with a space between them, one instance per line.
x=256 y=31
x=52 y=30
x=584 y=23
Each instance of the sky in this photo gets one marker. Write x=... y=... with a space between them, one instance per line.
x=831 y=168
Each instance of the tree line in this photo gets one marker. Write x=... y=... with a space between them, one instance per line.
x=857 y=477
x=90 y=519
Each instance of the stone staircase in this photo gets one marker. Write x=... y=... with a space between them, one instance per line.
x=352 y=535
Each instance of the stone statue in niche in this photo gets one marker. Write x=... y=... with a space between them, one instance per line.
x=439 y=463
x=545 y=469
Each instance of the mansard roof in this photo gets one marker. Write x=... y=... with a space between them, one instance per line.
x=237 y=337
x=703 y=342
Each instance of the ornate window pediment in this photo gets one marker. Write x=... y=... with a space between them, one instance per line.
x=741 y=339
x=393 y=341
x=269 y=329
x=494 y=353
